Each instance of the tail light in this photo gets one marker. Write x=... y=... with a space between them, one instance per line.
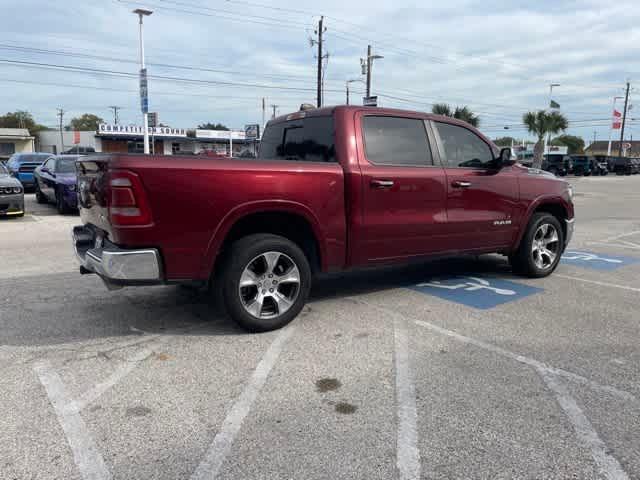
x=128 y=204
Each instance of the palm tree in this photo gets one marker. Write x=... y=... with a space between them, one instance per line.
x=461 y=113
x=541 y=123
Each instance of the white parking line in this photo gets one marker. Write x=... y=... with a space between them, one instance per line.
x=625 y=244
x=596 y=282
x=609 y=467
x=125 y=369
x=85 y=452
x=617 y=237
x=210 y=466
x=408 y=454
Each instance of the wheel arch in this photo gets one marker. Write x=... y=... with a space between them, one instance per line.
x=553 y=205
x=287 y=219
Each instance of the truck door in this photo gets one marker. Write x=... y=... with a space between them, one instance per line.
x=403 y=191
x=481 y=199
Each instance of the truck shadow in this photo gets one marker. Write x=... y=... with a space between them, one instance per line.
x=65 y=307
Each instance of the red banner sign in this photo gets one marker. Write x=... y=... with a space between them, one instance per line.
x=617 y=120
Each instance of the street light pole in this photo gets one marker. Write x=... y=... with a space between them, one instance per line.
x=143 y=81
x=347 y=85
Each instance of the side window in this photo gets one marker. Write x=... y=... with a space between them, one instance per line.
x=396 y=141
x=49 y=165
x=463 y=148
x=304 y=140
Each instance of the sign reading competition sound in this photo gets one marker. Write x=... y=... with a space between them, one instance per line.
x=124 y=130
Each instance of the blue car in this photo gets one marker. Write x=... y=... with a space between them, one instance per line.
x=22 y=165
x=55 y=181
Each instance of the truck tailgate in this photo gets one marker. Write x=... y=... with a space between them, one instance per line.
x=93 y=192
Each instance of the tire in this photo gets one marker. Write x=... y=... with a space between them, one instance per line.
x=524 y=260
x=40 y=198
x=249 y=258
x=61 y=205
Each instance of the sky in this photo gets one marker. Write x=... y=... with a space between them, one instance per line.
x=214 y=61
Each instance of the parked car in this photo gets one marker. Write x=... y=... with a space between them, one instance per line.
x=22 y=165
x=624 y=166
x=635 y=166
x=79 y=150
x=559 y=165
x=56 y=182
x=599 y=167
x=11 y=194
x=581 y=165
x=332 y=189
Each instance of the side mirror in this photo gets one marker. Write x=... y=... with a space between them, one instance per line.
x=504 y=159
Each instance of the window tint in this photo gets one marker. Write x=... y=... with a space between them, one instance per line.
x=66 y=165
x=308 y=140
x=463 y=148
x=396 y=141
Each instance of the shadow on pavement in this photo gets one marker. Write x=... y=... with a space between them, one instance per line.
x=62 y=308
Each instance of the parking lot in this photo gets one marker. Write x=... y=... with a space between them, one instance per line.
x=451 y=369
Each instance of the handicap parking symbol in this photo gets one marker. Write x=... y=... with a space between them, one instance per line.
x=595 y=260
x=476 y=292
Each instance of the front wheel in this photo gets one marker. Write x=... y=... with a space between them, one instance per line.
x=266 y=282
x=40 y=198
x=541 y=247
x=61 y=205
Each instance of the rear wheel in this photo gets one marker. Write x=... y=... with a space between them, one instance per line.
x=541 y=247
x=40 y=197
x=265 y=282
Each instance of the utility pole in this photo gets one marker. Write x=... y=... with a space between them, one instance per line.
x=594 y=136
x=624 y=119
x=319 y=32
x=263 y=114
x=366 y=68
x=61 y=115
x=115 y=109
x=274 y=111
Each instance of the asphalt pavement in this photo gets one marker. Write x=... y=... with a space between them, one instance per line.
x=450 y=369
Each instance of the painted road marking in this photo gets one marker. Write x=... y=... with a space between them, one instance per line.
x=407 y=454
x=219 y=449
x=85 y=452
x=476 y=292
x=596 y=282
x=630 y=245
x=595 y=260
x=607 y=464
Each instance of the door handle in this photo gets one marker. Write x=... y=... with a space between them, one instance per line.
x=460 y=184
x=381 y=183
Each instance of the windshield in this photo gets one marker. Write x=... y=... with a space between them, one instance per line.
x=66 y=165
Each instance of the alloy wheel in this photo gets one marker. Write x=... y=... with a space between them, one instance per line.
x=269 y=285
x=545 y=247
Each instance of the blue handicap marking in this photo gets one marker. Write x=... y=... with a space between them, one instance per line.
x=476 y=292
x=596 y=261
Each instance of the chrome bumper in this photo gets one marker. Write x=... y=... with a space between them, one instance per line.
x=116 y=266
x=569 y=229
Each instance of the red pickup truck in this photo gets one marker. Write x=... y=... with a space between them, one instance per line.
x=332 y=189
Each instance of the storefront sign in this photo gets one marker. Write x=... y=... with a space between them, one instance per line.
x=134 y=130
x=221 y=134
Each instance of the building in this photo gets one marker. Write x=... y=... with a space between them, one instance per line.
x=601 y=147
x=15 y=140
x=49 y=140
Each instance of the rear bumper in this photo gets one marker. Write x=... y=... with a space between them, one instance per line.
x=116 y=266
x=570 y=224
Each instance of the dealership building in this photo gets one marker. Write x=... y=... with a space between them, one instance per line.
x=111 y=138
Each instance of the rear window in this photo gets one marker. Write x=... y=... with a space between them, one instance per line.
x=306 y=140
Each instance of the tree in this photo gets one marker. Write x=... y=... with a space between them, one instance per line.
x=541 y=123
x=461 y=113
x=20 y=119
x=574 y=144
x=86 y=121
x=505 y=141
x=212 y=126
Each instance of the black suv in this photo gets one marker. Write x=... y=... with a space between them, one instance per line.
x=625 y=165
x=559 y=165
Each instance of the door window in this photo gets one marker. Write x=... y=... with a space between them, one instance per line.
x=49 y=165
x=396 y=141
x=462 y=148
